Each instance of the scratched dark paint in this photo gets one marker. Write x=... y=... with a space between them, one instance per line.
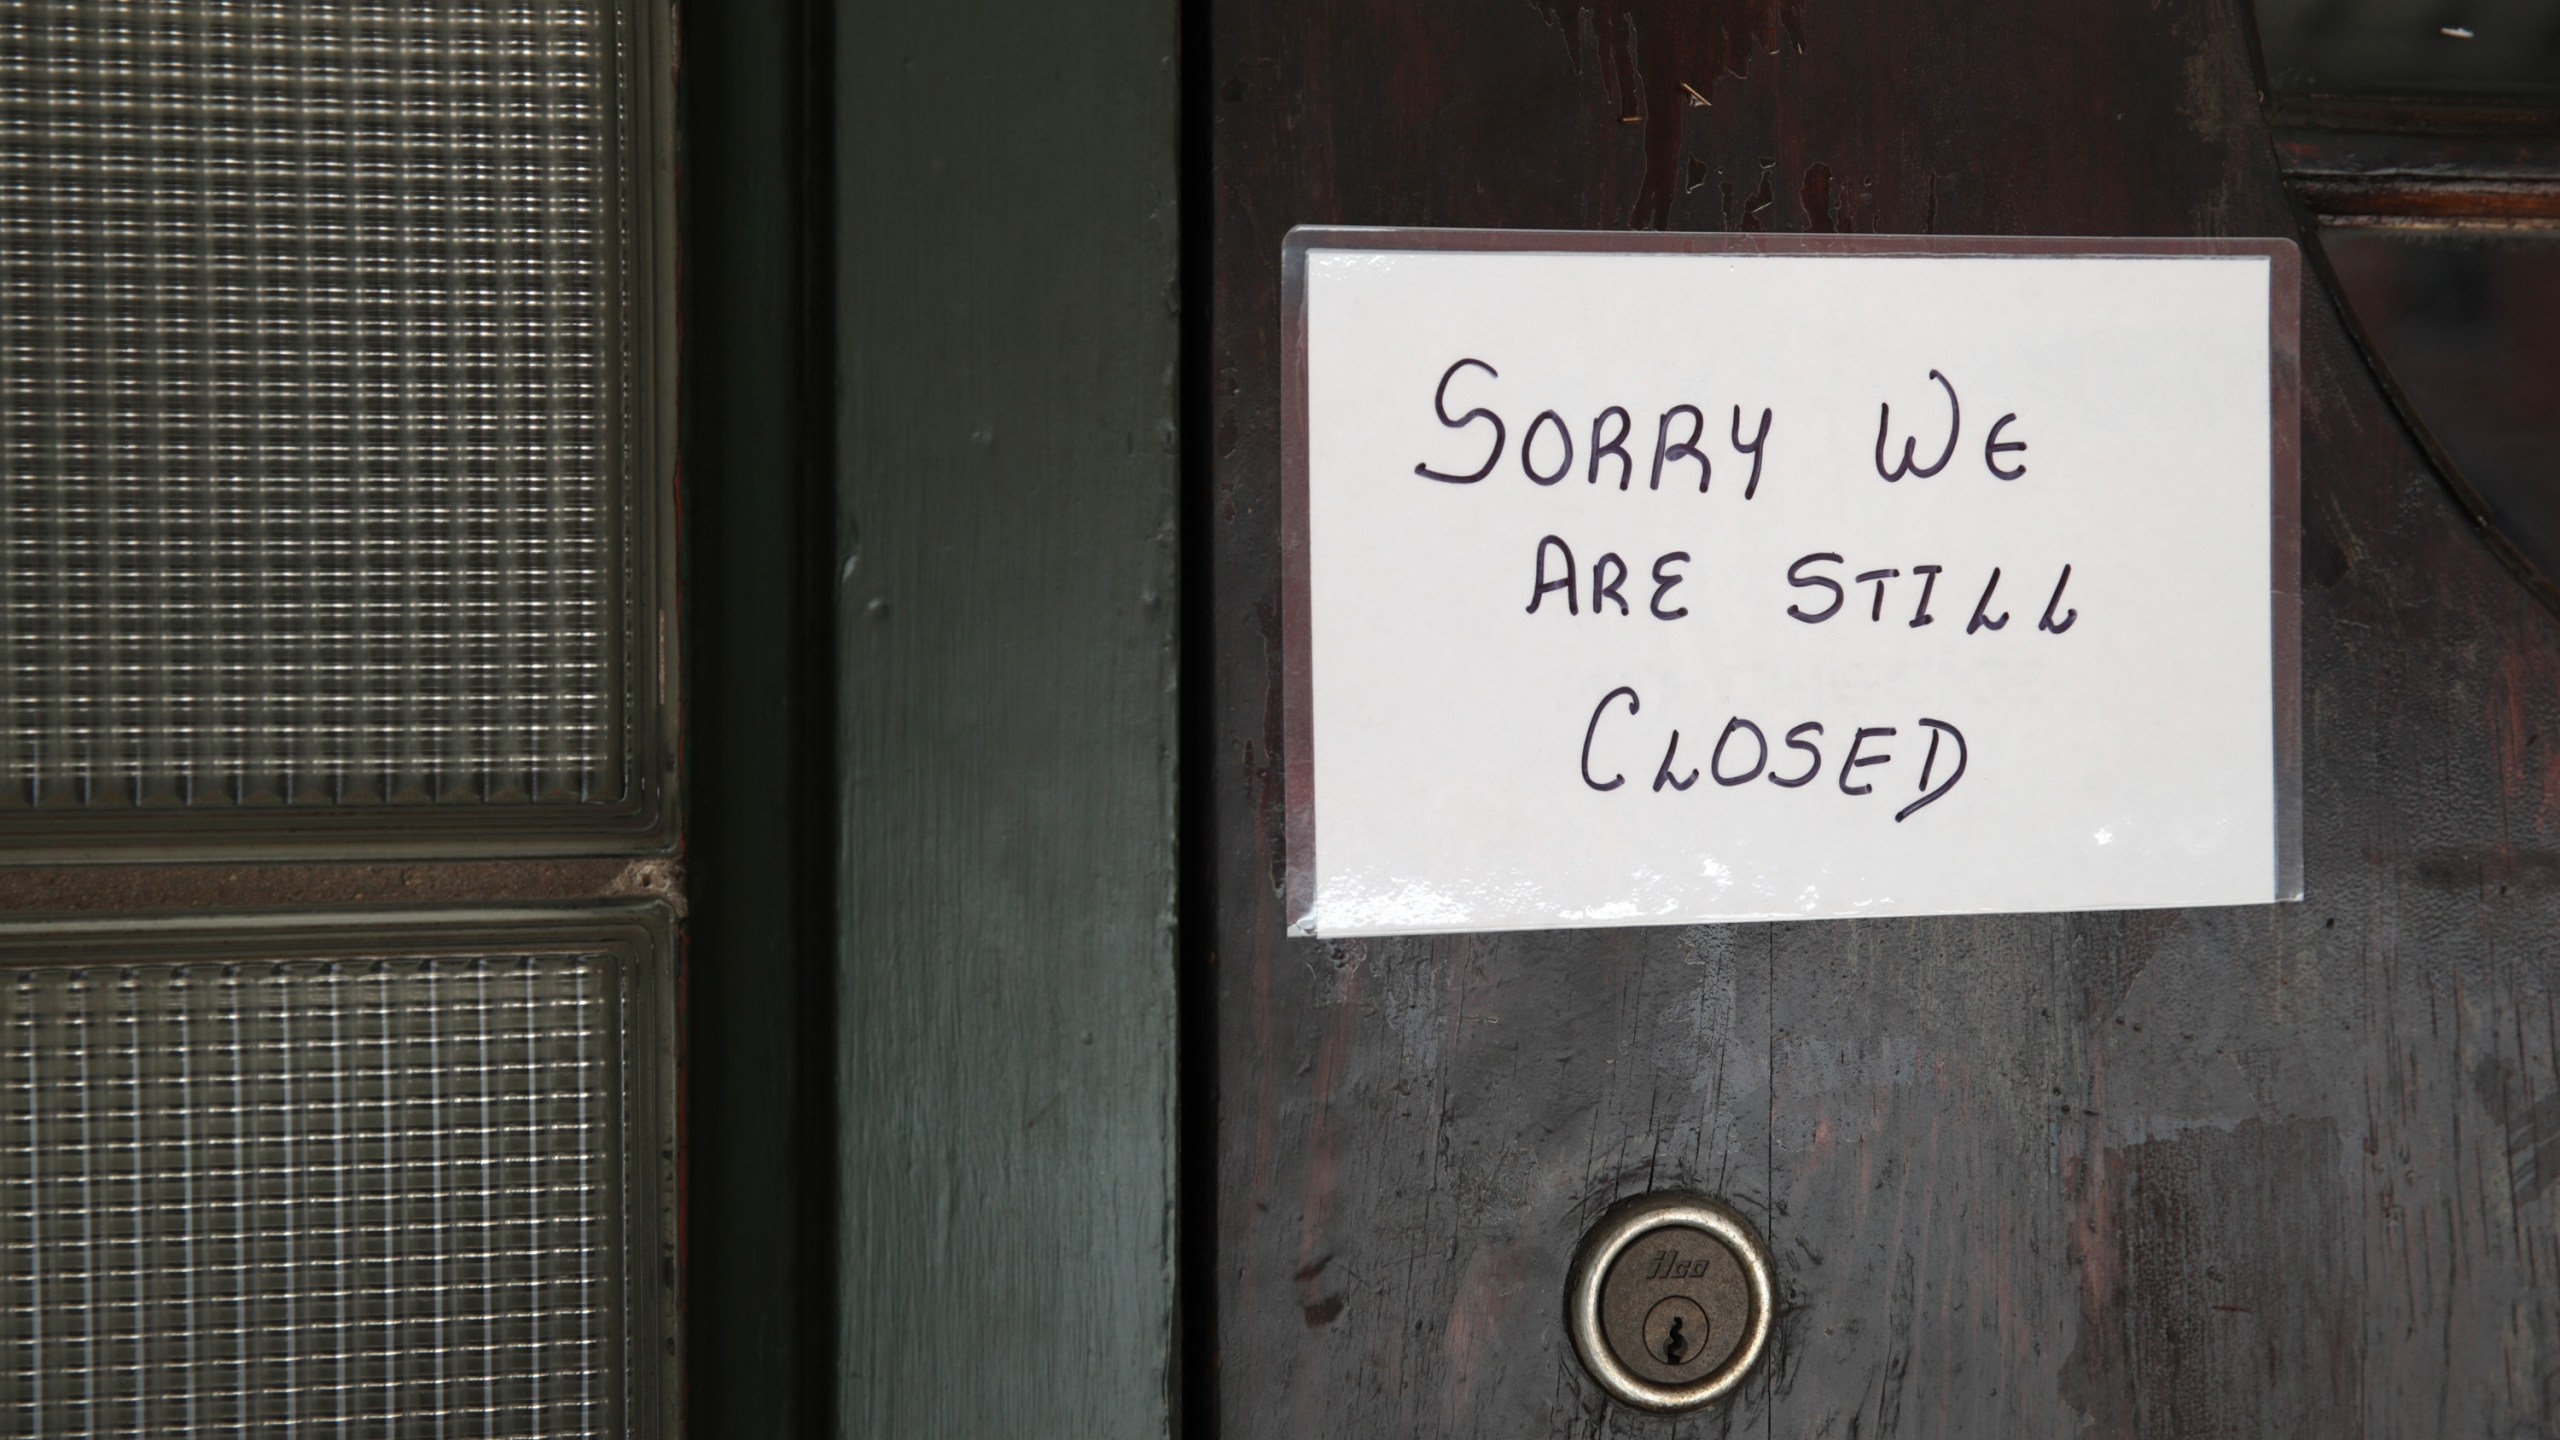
x=1003 y=247
x=2288 y=1170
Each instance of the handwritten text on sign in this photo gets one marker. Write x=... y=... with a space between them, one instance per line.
x=1648 y=588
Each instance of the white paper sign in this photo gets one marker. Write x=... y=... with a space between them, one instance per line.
x=1743 y=578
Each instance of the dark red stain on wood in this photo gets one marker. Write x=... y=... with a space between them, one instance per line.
x=1826 y=210
x=2219 y=1304
x=2283 y=1170
x=1655 y=59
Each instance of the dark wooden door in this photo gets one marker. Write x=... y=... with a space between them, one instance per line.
x=2277 y=1170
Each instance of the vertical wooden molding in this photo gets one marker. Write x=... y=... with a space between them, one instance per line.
x=1005 y=273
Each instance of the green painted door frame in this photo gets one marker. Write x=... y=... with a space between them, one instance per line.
x=1005 y=249
x=932 y=283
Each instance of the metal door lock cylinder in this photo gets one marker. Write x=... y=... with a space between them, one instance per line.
x=1669 y=1301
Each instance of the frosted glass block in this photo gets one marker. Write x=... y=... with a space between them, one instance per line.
x=319 y=482
x=362 y=1195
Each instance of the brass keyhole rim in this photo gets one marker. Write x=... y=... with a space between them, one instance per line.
x=1620 y=1229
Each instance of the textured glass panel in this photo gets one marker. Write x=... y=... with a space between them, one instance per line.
x=362 y=1197
x=312 y=348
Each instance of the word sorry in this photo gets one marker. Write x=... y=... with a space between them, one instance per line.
x=1606 y=443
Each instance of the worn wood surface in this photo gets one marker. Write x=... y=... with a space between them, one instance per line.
x=2281 y=1170
x=1005 y=275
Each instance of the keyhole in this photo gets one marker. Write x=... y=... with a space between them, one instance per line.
x=1675 y=1332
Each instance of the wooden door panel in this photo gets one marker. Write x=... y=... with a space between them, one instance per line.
x=2268 y=1170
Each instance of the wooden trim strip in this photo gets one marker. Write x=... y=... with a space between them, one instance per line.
x=2428 y=199
x=147 y=889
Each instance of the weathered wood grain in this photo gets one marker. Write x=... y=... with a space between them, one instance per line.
x=2286 y=1170
x=1005 y=268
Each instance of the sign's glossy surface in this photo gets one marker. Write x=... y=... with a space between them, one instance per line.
x=1748 y=578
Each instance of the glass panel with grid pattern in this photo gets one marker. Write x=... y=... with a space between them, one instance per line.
x=365 y=1197
x=313 y=352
